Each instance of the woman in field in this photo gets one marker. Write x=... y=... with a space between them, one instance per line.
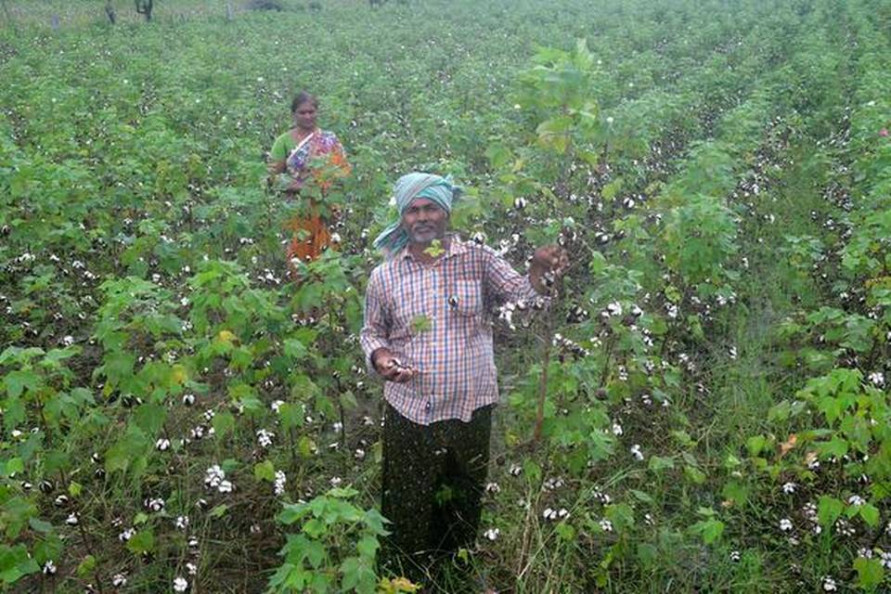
x=303 y=162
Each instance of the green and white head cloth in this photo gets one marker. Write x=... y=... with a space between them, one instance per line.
x=415 y=185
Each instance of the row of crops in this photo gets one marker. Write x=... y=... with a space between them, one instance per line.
x=714 y=415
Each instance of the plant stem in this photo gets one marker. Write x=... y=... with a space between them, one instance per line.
x=88 y=544
x=542 y=386
x=548 y=338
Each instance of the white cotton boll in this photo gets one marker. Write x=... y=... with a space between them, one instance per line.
x=264 y=438
x=279 y=485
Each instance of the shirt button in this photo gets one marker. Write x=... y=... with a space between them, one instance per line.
x=428 y=406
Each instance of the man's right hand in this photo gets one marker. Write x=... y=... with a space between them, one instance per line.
x=390 y=368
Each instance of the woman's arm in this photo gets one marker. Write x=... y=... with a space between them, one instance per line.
x=275 y=167
x=278 y=158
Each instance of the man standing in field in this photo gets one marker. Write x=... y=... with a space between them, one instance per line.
x=428 y=333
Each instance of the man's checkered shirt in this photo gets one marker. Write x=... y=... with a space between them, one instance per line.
x=436 y=319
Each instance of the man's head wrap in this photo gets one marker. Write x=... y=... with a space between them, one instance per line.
x=438 y=189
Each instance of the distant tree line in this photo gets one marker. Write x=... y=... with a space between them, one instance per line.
x=143 y=7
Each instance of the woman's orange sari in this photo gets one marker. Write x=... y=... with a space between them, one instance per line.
x=310 y=235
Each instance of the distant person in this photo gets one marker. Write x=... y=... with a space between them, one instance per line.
x=428 y=334
x=305 y=155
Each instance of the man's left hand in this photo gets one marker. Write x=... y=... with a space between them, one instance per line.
x=548 y=262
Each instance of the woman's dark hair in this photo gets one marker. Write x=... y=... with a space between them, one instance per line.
x=304 y=97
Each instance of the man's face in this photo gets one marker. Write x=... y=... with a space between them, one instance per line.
x=424 y=221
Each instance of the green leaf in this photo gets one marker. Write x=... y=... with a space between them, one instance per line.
x=315 y=553
x=498 y=155
x=598 y=263
x=75 y=489
x=350 y=568
x=87 y=566
x=612 y=189
x=15 y=514
x=295 y=349
x=694 y=474
x=870 y=514
x=15 y=563
x=870 y=573
x=658 y=463
x=223 y=423
x=303 y=389
x=531 y=470
x=264 y=471
x=11 y=467
x=306 y=446
x=292 y=513
x=17 y=381
x=683 y=438
x=314 y=528
x=291 y=415
x=835 y=447
x=127 y=451
x=368 y=546
x=565 y=531
x=647 y=553
x=420 y=324
x=736 y=492
x=710 y=530
x=621 y=515
x=142 y=542
x=348 y=400
x=219 y=511
x=435 y=250
x=779 y=412
x=641 y=496
x=828 y=510
x=756 y=444
x=39 y=525
x=713 y=531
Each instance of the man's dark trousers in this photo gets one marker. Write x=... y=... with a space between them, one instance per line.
x=433 y=481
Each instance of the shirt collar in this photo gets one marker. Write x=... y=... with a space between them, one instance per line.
x=456 y=248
